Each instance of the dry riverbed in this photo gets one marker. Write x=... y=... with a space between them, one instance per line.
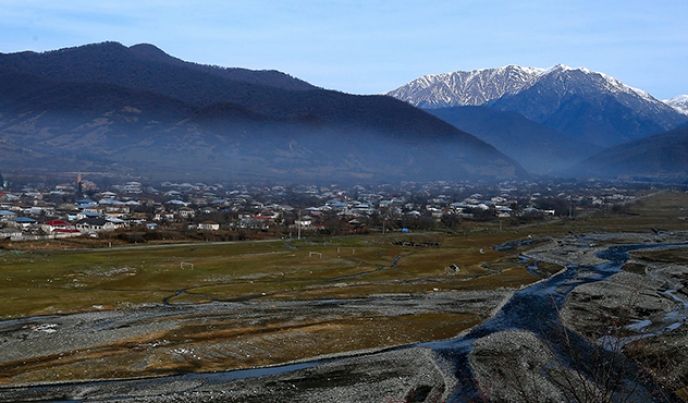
x=166 y=340
x=637 y=314
x=163 y=340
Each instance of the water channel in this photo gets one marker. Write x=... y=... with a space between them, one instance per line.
x=536 y=309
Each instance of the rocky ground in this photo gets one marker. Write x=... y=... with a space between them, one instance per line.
x=145 y=339
x=509 y=366
x=408 y=375
x=642 y=315
x=637 y=315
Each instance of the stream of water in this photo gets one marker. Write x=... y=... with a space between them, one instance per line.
x=536 y=309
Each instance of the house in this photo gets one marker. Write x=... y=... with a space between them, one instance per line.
x=305 y=222
x=6 y=215
x=413 y=214
x=108 y=195
x=175 y=202
x=131 y=188
x=164 y=215
x=8 y=197
x=114 y=208
x=118 y=223
x=95 y=225
x=57 y=226
x=65 y=187
x=198 y=201
x=250 y=222
x=24 y=222
x=88 y=214
x=10 y=233
x=186 y=213
x=504 y=212
x=208 y=226
x=40 y=210
x=85 y=203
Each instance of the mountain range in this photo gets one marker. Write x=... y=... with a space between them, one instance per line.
x=136 y=110
x=568 y=113
x=589 y=106
x=116 y=110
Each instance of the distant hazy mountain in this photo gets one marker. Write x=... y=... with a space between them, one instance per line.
x=679 y=103
x=137 y=110
x=659 y=156
x=537 y=148
x=590 y=106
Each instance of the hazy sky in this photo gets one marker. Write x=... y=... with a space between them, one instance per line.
x=373 y=46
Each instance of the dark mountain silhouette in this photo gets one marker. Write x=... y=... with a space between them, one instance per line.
x=660 y=156
x=143 y=67
x=139 y=110
x=272 y=78
x=536 y=147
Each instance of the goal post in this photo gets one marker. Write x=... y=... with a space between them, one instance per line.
x=186 y=265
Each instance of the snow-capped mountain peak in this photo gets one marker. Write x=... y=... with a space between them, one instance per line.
x=602 y=81
x=478 y=87
x=679 y=102
x=562 y=67
x=466 y=87
x=579 y=102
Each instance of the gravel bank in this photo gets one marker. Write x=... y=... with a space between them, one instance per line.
x=404 y=375
x=42 y=344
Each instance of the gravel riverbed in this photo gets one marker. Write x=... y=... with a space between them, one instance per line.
x=403 y=374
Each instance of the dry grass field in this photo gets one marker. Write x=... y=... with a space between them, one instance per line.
x=50 y=282
x=262 y=277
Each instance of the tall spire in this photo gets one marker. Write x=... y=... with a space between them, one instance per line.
x=78 y=184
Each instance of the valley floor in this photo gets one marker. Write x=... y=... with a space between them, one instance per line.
x=40 y=350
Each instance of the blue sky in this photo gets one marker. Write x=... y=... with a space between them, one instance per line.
x=373 y=46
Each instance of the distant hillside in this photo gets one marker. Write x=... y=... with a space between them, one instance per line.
x=660 y=156
x=140 y=111
x=537 y=148
x=589 y=106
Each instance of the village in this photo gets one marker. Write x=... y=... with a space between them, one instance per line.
x=39 y=211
